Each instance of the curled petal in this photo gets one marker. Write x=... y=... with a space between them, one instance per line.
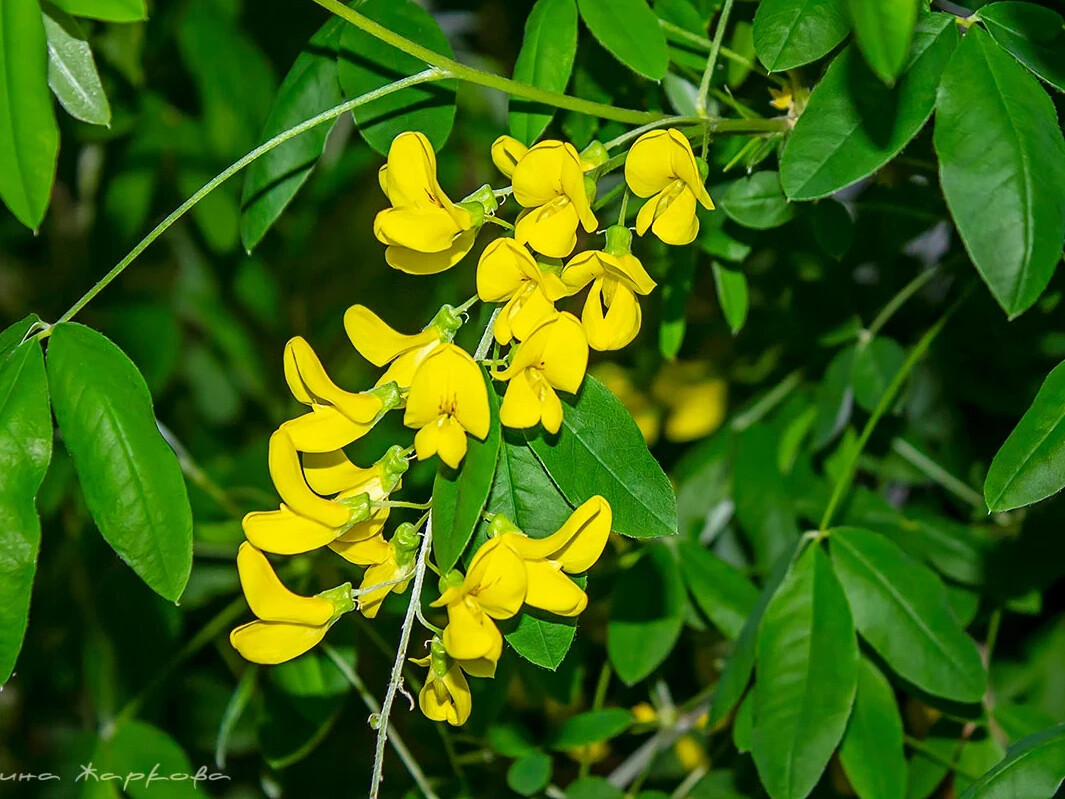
x=577 y=544
x=496 y=578
x=311 y=385
x=323 y=430
x=376 y=341
x=411 y=178
x=269 y=599
x=551 y=590
x=506 y=153
x=269 y=642
x=415 y=262
x=287 y=474
x=620 y=323
x=471 y=633
x=332 y=472
x=283 y=532
x=446 y=698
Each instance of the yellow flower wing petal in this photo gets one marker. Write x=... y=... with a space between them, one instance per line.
x=616 y=327
x=379 y=574
x=485 y=667
x=646 y=216
x=537 y=177
x=444 y=437
x=421 y=263
x=550 y=408
x=549 y=229
x=573 y=186
x=283 y=532
x=551 y=590
x=648 y=166
x=332 y=472
x=323 y=430
x=521 y=404
x=577 y=544
x=470 y=633
x=461 y=700
x=269 y=599
x=497 y=579
x=630 y=268
x=506 y=153
x=565 y=352
x=424 y=230
x=500 y=271
x=270 y=643
x=445 y=381
x=411 y=170
x=303 y=368
x=287 y=474
x=401 y=371
x=677 y=223
x=582 y=269
x=434 y=701
x=371 y=551
x=376 y=341
x=382 y=179
x=534 y=309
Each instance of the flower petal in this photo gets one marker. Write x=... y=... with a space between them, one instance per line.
x=537 y=177
x=331 y=472
x=307 y=377
x=283 y=532
x=521 y=404
x=269 y=599
x=621 y=321
x=449 y=382
x=323 y=430
x=459 y=689
x=382 y=573
x=371 y=551
x=677 y=223
x=550 y=229
x=649 y=164
x=577 y=544
x=376 y=341
x=506 y=153
x=500 y=271
x=564 y=357
x=496 y=578
x=470 y=633
x=287 y=474
x=270 y=643
x=551 y=590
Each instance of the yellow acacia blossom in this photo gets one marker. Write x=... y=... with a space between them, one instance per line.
x=696 y=402
x=549 y=184
x=307 y=520
x=425 y=232
x=380 y=344
x=448 y=398
x=662 y=166
x=554 y=356
x=337 y=417
x=388 y=563
x=288 y=624
x=507 y=271
x=445 y=696
x=611 y=315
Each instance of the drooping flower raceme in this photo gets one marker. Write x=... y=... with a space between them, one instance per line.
x=611 y=314
x=662 y=166
x=448 y=398
x=288 y=624
x=554 y=356
x=425 y=231
x=445 y=696
x=508 y=272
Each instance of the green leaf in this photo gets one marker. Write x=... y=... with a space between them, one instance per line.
x=25 y=450
x=1034 y=35
x=790 y=33
x=367 y=63
x=29 y=138
x=807 y=677
x=871 y=753
x=106 y=10
x=720 y=589
x=646 y=614
x=129 y=476
x=765 y=507
x=600 y=450
x=883 y=29
x=1034 y=768
x=854 y=124
x=543 y=638
x=133 y=749
x=1030 y=466
x=545 y=61
x=743 y=725
x=11 y=337
x=591 y=727
x=71 y=69
x=593 y=788
x=731 y=285
x=310 y=87
x=529 y=774
x=876 y=362
x=1002 y=169
x=757 y=202
x=630 y=31
x=460 y=495
x=900 y=608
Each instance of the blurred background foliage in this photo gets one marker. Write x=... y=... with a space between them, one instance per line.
x=206 y=323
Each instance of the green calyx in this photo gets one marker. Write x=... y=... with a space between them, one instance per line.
x=341 y=599
x=589 y=188
x=618 y=240
x=389 y=394
x=448 y=320
x=453 y=579
x=439 y=659
x=392 y=465
x=405 y=544
x=361 y=507
x=479 y=203
x=594 y=155
x=501 y=524
x=704 y=168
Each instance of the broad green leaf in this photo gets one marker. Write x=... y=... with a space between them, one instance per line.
x=460 y=495
x=720 y=589
x=900 y=608
x=600 y=450
x=545 y=61
x=790 y=33
x=731 y=285
x=1030 y=466
x=765 y=506
x=1002 y=169
x=854 y=124
x=807 y=677
x=129 y=476
x=71 y=69
x=757 y=202
x=529 y=774
x=835 y=398
x=871 y=753
x=367 y=63
x=630 y=31
x=25 y=450
x=133 y=748
x=29 y=138
x=593 y=788
x=646 y=614
x=883 y=30
x=743 y=724
x=310 y=87
x=11 y=337
x=106 y=10
x=876 y=363
x=591 y=727
x=1034 y=768
x=1033 y=34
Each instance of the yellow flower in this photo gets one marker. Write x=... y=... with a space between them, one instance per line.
x=380 y=344
x=662 y=166
x=388 y=563
x=508 y=272
x=549 y=184
x=446 y=694
x=337 y=417
x=288 y=624
x=781 y=98
x=691 y=753
x=554 y=356
x=644 y=713
x=696 y=401
x=448 y=398
x=611 y=314
x=425 y=232
x=307 y=521
x=493 y=588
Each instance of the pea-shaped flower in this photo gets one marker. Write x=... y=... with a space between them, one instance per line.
x=554 y=356
x=445 y=696
x=425 y=232
x=288 y=624
x=611 y=314
x=448 y=398
x=662 y=166
x=507 y=271
x=548 y=183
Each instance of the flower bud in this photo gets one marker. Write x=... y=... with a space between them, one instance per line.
x=594 y=155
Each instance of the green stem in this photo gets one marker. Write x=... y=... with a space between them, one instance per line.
x=935 y=472
x=495 y=220
x=711 y=62
x=427 y=76
x=610 y=196
x=704 y=44
x=767 y=402
x=932 y=754
x=886 y=399
x=900 y=299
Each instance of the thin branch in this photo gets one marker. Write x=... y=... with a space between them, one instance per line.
x=711 y=61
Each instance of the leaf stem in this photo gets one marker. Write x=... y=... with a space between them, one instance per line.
x=711 y=61
x=900 y=299
x=935 y=472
